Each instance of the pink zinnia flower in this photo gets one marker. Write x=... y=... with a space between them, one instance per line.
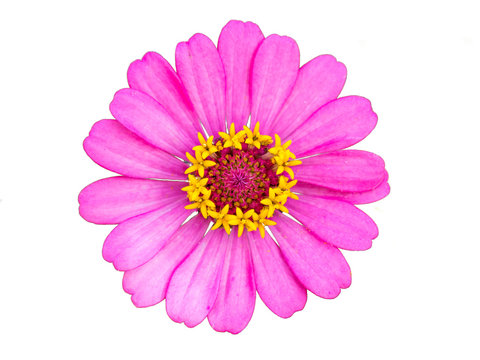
x=242 y=180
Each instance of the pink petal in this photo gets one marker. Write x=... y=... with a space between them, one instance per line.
x=346 y=170
x=320 y=267
x=336 y=222
x=113 y=200
x=154 y=76
x=319 y=81
x=194 y=285
x=148 y=283
x=274 y=72
x=337 y=125
x=237 y=44
x=277 y=286
x=115 y=148
x=145 y=117
x=235 y=301
x=138 y=239
x=201 y=70
x=363 y=197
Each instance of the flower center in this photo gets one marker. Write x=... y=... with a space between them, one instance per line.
x=237 y=180
x=241 y=178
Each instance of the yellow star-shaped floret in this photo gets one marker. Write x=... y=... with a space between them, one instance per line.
x=274 y=202
x=254 y=138
x=261 y=221
x=222 y=218
x=233 y=138
x=196 y=187
x=206 y=147
x=203 y=203
x=284 y=187
x=243 y=220
x=198 y=163
x=279 y=146
x=282 y=157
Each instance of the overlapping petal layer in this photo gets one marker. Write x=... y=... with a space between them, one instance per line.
x=194 y=285
x=336 y=222
x=353 y=197
x=144 y=116
x=113 y=200
x=319 y=81
x=335 y=126
x=346 y=170
x=138 y=239
x=320 y=267
x=276 y=284
x=148 y=283
x=274 y=72
x=235 y=301
x=201 y=70
x=154 y=76
x=114 y=147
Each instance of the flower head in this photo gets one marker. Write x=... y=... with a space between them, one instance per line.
x=242 y=177
x=248 y=94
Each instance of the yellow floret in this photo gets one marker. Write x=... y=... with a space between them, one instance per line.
x=233 y=138
x=222 y=218
x=243 y=220
x=254 y=138
x=282 y=157
x=203 y=203
x=206 y=147
x=198 y=163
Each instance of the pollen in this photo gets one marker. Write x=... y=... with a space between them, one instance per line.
x=238 y=179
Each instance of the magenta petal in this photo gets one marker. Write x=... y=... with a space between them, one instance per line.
x=116 y=148
x=237 y=44
x=346 y=170
x=235 y=301
x=337 y=125
x=336 y=222
x=138 y=239
x=277 y=286
x=148 y=283
x=201 y=70
x=194 y=285
x=275 y=69
x=154 y=76
x=144 y=116
x=320 y=267
x=319 y=81
x=363 y=197
x=113 y=200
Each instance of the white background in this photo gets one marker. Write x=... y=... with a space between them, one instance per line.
x=414 y=295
